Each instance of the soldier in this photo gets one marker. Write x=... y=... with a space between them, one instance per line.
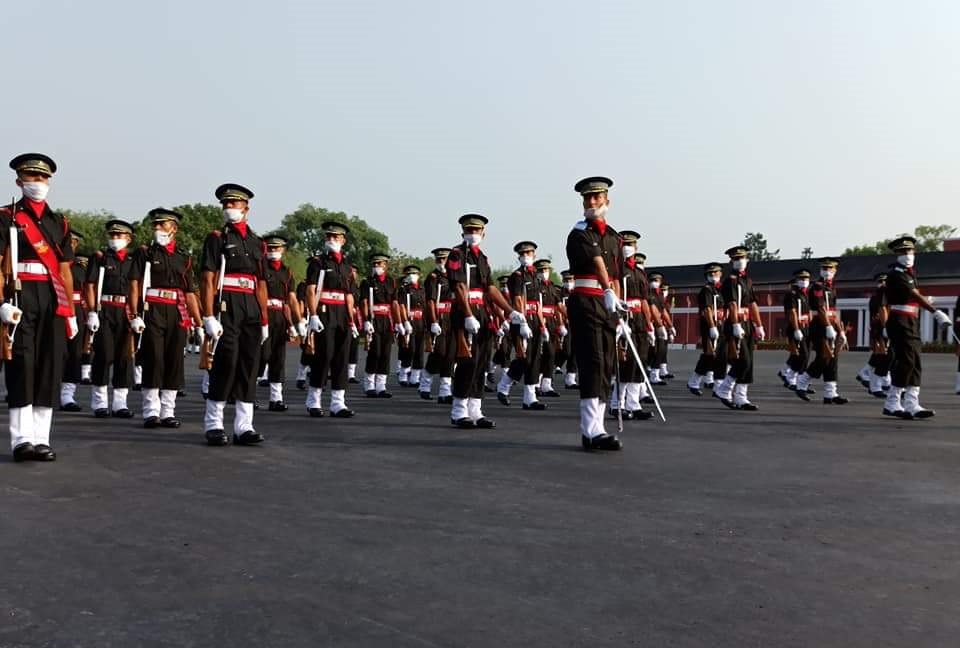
x=472 y=323
x=502 y=345
x=742 y=326
x=358 y=325
x=709 y=304
x=72 y=367
x=442 y=350
x=903 y=327
x=796 y=309
x=107 y=320
x=527 y=338
x=827 y=336
x=554 y=318
x=233 y=257
x=281 y=300
x=38 y=306
x=593 y=250
x=305 y=358
x=667 y=317
x=875 y=375
x=658 y=311
x=566 y=357
x=330 y=302
x=410 y=298
x=382 y=321
x=168 y=296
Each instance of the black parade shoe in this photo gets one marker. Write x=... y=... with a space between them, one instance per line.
x=384 y=394
x=344 y=413
x=352 y=381
x=43 y=452
x=878 y=394
x=484 y=423
x=601 y=442
x=122 y=413
x=371 y=393
x=302 y=384
x=901 y=414
x=250 y=437
x=695 y=392
x=627 y=414
x=504 y=399
x=573 y=386
x=70 y=407
x=216 y=437
x=550 y=394
x=727 y=402
x=426 y=395
x=535 y=405
x=802 y=394
x=151 y=422
x=919 y=414
x=667 y=376
x=101 y=412
x=641 y=415
x=277 y=406
x=465 y=423
x=836 y=400
x=444 y=400
x=170 y=422
x=315 y=412
x=747 y=407
x=708 y=385
x=263 y=383
x=24 y=452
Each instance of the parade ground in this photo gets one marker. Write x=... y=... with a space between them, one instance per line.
x=798 y=525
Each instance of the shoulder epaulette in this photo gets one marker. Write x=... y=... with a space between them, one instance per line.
x=580 y=225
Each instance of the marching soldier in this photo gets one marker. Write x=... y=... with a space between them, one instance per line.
x=381 y=313
x=304 y=364
x=472 y=323
x=443 y=351
x=502 y=347
x=235 y=317
x=527 y=338
x=38 y=307
x=742 y=326
x=827 y=336
x=161 y=282
x=875 y=375
x=554 y=318
x=593 y=250
x=903 y=327
x=658 y=310
x=796 y=309
x=667 y=317
x=281 y=299
x=73 y=365
x=566 y=351
x=354 y=355
x=634 y=291
x=330 y=302
x=107 y=286
x=710 y=305
x=410 y=298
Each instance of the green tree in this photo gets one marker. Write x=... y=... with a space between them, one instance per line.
x=304 y=229
x=90 y=225
x=930 y=238
x=756 y=246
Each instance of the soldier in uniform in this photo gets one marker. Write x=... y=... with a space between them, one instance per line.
x=354 y=354
x=742 y=327
x=554 y=317
x=305 y=357
x=566 y=358
x=593 y=250
x=107 y=320
x=330 y=302
x=709 y=305
x=827 y=336
x=527 y=338
x=38 y=307
x=875 y=375
x=443 y=351
x=667 y=317
x=796 y=310
x=382 y=322
x=903 y=328
x=242 y=326
x=658 y=350
x=502 y=345
x=72 y=367
x=472 y=323
x=281 y=300
x=168 y=295
x=410 y=298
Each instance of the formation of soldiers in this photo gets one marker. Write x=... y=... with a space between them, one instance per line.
x=121 y=319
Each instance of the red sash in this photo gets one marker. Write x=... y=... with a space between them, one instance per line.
x=49 y=260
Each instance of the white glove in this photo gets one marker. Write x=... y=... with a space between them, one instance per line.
x=830 y=333
x=610 y=301
x=93 y=321
x=798 y=335
x=842 y=339
x=505 y=327
x=662 y=332
x=472 y=325
x=72 y=327
x=673 y=333
x=517 y=318
x=10 y=314
x=292 y=332
x=213 y=328
x=398 y=328
x=941 y=318
x=713 y=333
x=651 y=337
x=435 y=329
x=264 y=332
x=198 y=331
x=759 y=333
x=562 y=331
x=137 y=325
x=738 y=330
x=368 y=327
x=525 y=331
x=408 y=327
x=314 y=324
x=354 y=333
x=546 y=334
x=670 y=338
x=301 y=328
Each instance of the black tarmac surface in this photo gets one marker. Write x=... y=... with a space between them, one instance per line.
x=798 y=525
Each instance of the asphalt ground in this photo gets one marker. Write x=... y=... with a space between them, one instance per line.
x=798 y=525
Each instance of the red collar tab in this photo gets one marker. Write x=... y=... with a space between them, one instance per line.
x=241 y=227
x=36 y=207
x=600 y=225
x=121 y=254
x=275 y=264
x=170 y=247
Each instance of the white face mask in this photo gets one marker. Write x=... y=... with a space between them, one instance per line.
x=162 y=238
x=545 y=275
x=906 y=260
x=739 y=264
x=595 y=212
x=628 y=251
x=714 y=279
x=35 y=190
x=568 y=285
x=827 y=274
x=117 y=244
x=413 y=278
x=274 y=256
x=654 y=284
x=233 y=215
x=377 y=271
x=472 y=239
x=441 y=267
x=640 y=264
x=332 y=246
x=526 y=261
x=803 y=283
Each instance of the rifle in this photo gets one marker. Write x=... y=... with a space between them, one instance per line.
x=431 y=342
x=11 y=278
x=88 y=338
x=310 y=344
x=210 y=344
x=406 y=336
x=469 y=337
x=147 y=280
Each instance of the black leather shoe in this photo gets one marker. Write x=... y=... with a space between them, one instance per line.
x=352 y=381
x=402 y=383
x=601 y=442
x=747 y=407
x=344 y=413
x=550 y=394
x=836 y=400
x=727 y=403
x=903 y=414
x=503 y=398
x=791 y=387
x=315 y=412
x=535 y=405
x=802 y=394
x=151 y=422
x=137 y=387
x=250 y=437
x=642 y=415
x=181 y=393
x=24 y=452
x=263 y=383
x=659 y=383
x=170 y=422
x=101 y=412
x=627 y=414
x=708 y=385
x=485 y=423
x=86 y=381
x=463 y=423
x=487 y=389
x=811 y=390
x=384 y=394
x=42 y=452
x=122 y=413
x=919 y=414
x=371 y=393
x=277 y=406
x=573 y=386
x=695 y=392
x=445 y=400
x=216 y=437
x=878 y=394
x=301 y=384
x=668 y=376
x=70 y=407
x=426 y=395
x=865 y=383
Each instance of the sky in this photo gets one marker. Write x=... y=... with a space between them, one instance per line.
x=818 y=123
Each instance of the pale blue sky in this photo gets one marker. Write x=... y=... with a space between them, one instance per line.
x=818 y=123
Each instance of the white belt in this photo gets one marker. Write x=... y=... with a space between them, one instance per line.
x=115 y=299
x=32 y=267
x=162 y=293
x=240 y=282
x=274 y=303
x=333 y=296
x=907 y=309
x=587 y=283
